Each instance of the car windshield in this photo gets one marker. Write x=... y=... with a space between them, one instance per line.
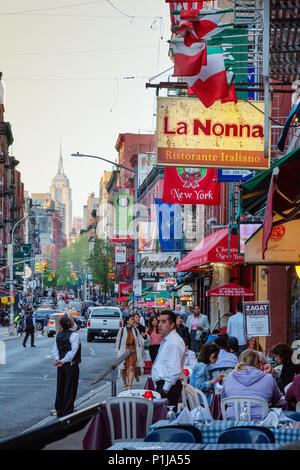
x=105 y=312
x=43 y=312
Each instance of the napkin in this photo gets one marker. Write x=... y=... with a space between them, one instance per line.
x=274 y=417
x=206 y=416
x=185 y=417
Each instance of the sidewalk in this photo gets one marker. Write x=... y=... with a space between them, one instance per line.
x=74 y=441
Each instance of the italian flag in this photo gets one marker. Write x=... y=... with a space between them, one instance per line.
x=188 y=61
x=199 y=27
x=211 y=83
x=177 y=7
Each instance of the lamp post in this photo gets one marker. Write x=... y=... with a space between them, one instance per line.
x=135 y=172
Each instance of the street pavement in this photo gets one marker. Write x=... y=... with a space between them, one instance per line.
x=100 y=393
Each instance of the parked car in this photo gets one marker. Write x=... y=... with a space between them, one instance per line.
x=104 y=322
x=40 y=314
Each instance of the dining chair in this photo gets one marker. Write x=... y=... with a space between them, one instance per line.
x=298 y=406
x=170 y=435
x=240 y=402
x=138 y=393
x=246 y=435
x=190 y=398
x=185 y=427
x=128 y=409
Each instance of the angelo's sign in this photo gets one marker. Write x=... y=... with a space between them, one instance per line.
x=225 y=135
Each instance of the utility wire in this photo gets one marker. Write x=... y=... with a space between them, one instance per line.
x=22 y=12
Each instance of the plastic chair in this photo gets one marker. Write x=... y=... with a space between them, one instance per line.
x=298 y=406
x=138 y=393
x=246 y=435
x=170 y=435
x=190 y=398
x=239 y=402
x=294 y=415
x=128 y=411
x=185 y=427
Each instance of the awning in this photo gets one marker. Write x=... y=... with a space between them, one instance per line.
x=230 y=290
x=286 y=196
x=212 y=249
x=122 y=299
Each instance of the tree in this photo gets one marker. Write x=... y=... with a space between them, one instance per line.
x=101 y=261
x=73 y=259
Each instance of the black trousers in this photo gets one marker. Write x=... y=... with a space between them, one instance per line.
x=29 y=333
x=66 y=389
x=153 y=350
x=173 y=394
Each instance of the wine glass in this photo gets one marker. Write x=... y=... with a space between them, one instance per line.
x=171 y=414
x=198 y=417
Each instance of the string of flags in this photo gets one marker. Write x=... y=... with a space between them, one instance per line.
x=208 y=74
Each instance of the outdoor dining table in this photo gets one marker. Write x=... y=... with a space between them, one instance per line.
x=211 y=432
x=98 y=435
x=242 y=446
x=140 y=445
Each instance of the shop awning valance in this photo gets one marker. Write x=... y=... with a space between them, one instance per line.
x=212 y=249
x=230 y=290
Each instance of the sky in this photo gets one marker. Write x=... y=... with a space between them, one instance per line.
x=66 y=68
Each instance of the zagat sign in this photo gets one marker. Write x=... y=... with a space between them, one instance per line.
x=225 y=135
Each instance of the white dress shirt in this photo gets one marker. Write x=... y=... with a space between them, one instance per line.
x=75 y=342
x=236 y=327
x=169 y=360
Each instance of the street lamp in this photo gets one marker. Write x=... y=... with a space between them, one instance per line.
x=135 y=172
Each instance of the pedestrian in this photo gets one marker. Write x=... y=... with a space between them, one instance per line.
x=129 y=339
x=198 y=327
x=182 y=330
x=29 y=328
x=236 y=327
x=168 y=365
x=67 y=355
x=155 y=338
x=142 y=330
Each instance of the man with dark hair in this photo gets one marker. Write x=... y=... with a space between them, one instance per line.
x=67 y=354
x=236 y=327
x=29 y=327
x=168 y=365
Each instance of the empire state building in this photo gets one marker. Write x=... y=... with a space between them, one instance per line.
x=61 y=193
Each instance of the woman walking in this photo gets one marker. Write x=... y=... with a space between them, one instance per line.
x=155 y=338
x=129 y=339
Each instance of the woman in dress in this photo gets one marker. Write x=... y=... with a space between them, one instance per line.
x=129 y=339
x=155 y=338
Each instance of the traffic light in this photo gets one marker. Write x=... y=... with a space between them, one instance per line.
x=37 y=267
x=44 y=266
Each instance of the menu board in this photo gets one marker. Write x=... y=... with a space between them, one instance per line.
x=257 y=318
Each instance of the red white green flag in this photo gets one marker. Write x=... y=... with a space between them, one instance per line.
x=191 y=186
x=178 y=6
x=211 y=83
x=188 y=61
x=201 y=26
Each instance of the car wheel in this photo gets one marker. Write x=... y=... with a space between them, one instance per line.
x=89 y=338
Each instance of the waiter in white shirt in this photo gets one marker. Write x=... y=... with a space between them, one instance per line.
x=236 y=327
x=168 y=365
x=67 y=354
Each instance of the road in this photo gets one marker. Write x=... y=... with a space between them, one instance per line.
x=28 y=379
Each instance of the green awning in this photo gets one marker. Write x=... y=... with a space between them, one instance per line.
x=254 y=192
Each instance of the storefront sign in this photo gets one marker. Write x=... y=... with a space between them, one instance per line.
x=171 y=281
x=283 y=245
x=257 y=318
x=158 y=262
x=120 y=254
x=137 y=287
x=225 y=135
x=185 y=290
x=191 y=186
x=146 y=161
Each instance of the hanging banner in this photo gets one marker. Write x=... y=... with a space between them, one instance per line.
x=191 y=186
x=225 y=135
x=169 y=223
x=120 y=254
x=123 y=215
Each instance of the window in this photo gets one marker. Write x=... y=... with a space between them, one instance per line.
x=105 y=312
